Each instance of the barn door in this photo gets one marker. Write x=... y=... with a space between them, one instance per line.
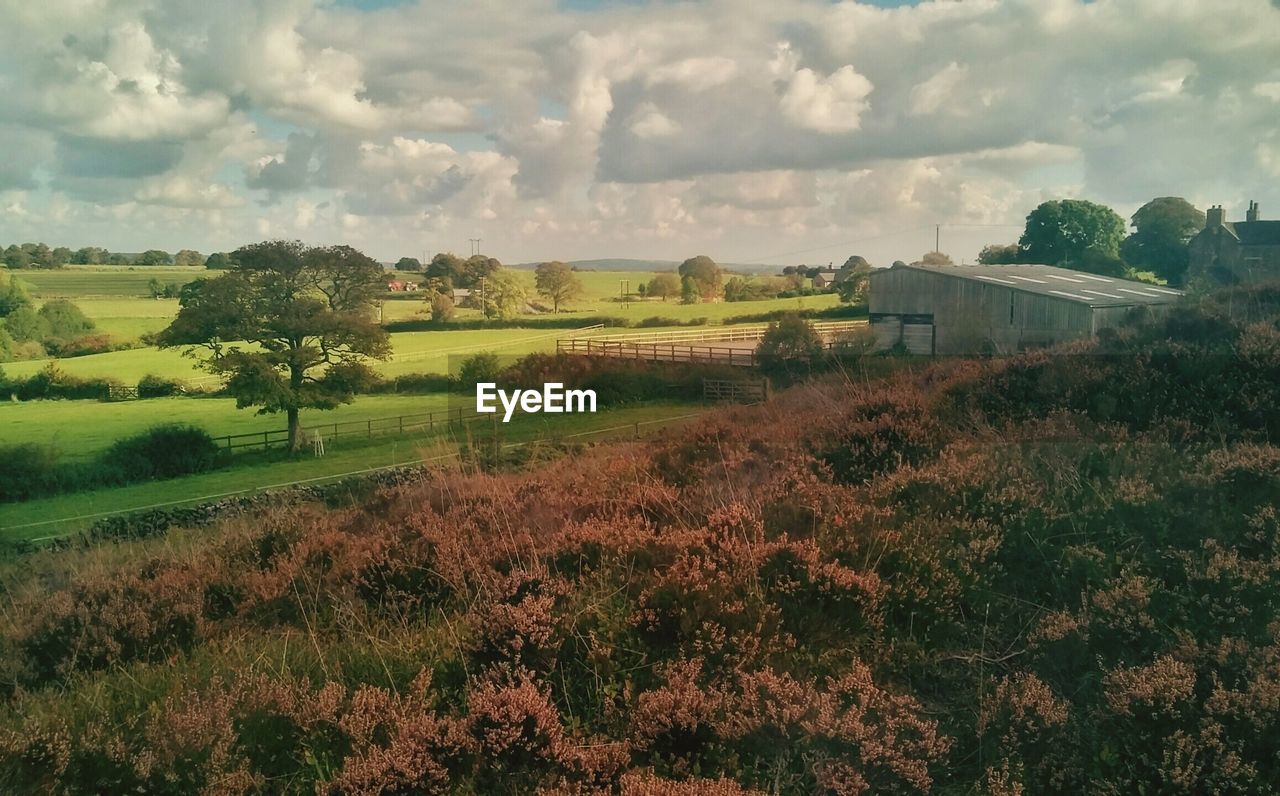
x=917 y=334
x=888 y=330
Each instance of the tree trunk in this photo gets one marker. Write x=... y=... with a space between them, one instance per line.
x=295 y=429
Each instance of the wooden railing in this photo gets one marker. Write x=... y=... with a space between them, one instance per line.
x=400 y=424
x=659 y=352
x=725 y=334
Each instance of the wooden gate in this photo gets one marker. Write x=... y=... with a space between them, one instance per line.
x=743 y=391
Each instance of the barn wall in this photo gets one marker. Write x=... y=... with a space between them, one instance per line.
x=968 y=312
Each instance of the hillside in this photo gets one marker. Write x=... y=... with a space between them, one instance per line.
x=1057 y=572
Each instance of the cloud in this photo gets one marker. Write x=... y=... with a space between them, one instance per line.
x=639 y=128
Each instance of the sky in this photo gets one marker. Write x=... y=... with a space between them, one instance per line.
x=779 y=132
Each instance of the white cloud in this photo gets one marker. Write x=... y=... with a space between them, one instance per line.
x=631 y=129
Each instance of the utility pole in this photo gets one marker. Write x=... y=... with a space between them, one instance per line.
x=484 y=308
x=475 y=245
x=937 y=237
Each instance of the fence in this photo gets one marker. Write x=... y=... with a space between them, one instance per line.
x=400 y=424
x=660 y=352
x=736 y=344
x=633 y=430
x=119 y=392
x=736 y=390
x=738 y=332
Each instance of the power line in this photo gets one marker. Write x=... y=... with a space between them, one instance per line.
x=847 y=243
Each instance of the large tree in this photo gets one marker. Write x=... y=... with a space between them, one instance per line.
x=408 y=264
x=503 y=295
x=704 y=272
x=1000 y=254
x=288 y=325
x=664 y=285
x=935 y=258
x=1062 y=231
x=154 y=257
x=1162 y=229
x=446 y=267
x=188 y=257
x=90 y=255
x=854 y=280
x=558 y=282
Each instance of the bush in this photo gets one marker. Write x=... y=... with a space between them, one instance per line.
x=789 y=346
x=479 y=367
x=164 y=451
x=78 y=346
x=65 y=320
x=153 y=386
x=28 y=470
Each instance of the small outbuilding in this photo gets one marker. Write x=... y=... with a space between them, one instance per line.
x=825 y=280
x=966 y=309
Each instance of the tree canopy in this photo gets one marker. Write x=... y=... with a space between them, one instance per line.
x=558 y=282
x=188 y=257
x=1162 y=229
x=935 y=258
x=664 y=285
x=855 y=278
x=306 y=315
x=1000 y=254
x=154 y=257
x=789 y=345
x=408 y=264
x=706 y=275
x=12 y=295
x=504 y=295
x=1063 y=230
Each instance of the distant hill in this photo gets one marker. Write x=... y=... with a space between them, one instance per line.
x=625 y=264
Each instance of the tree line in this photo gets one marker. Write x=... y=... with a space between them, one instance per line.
x=41 y=255
x=1086 y=236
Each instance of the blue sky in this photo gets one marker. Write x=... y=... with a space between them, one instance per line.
x=796 y=129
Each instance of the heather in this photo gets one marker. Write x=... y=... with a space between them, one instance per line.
x=1057 y=572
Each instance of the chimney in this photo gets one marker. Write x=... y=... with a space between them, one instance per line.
x=1252 y=215
x=1213 y=218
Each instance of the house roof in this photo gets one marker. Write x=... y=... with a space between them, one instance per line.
x=826 y=274
x=1255 y=233
x=1059 y=283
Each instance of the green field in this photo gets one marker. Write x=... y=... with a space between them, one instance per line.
x=103 y=280
x=67 y=513
x=81 y=428
x=413 y=352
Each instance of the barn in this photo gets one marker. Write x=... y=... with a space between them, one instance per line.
x=964 y=309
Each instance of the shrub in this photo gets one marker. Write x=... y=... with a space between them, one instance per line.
x=153 y=386
x=28 y=470
x=789 y=346
x=165 y=451
x=79 y=346
x=64 y=319
x=479 y=367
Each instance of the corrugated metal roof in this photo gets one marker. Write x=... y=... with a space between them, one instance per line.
x=1063 y=283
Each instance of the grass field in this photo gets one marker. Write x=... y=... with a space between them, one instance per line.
x=78 y=281
x=81 y=428
x=414 y=352
x=68 y=513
